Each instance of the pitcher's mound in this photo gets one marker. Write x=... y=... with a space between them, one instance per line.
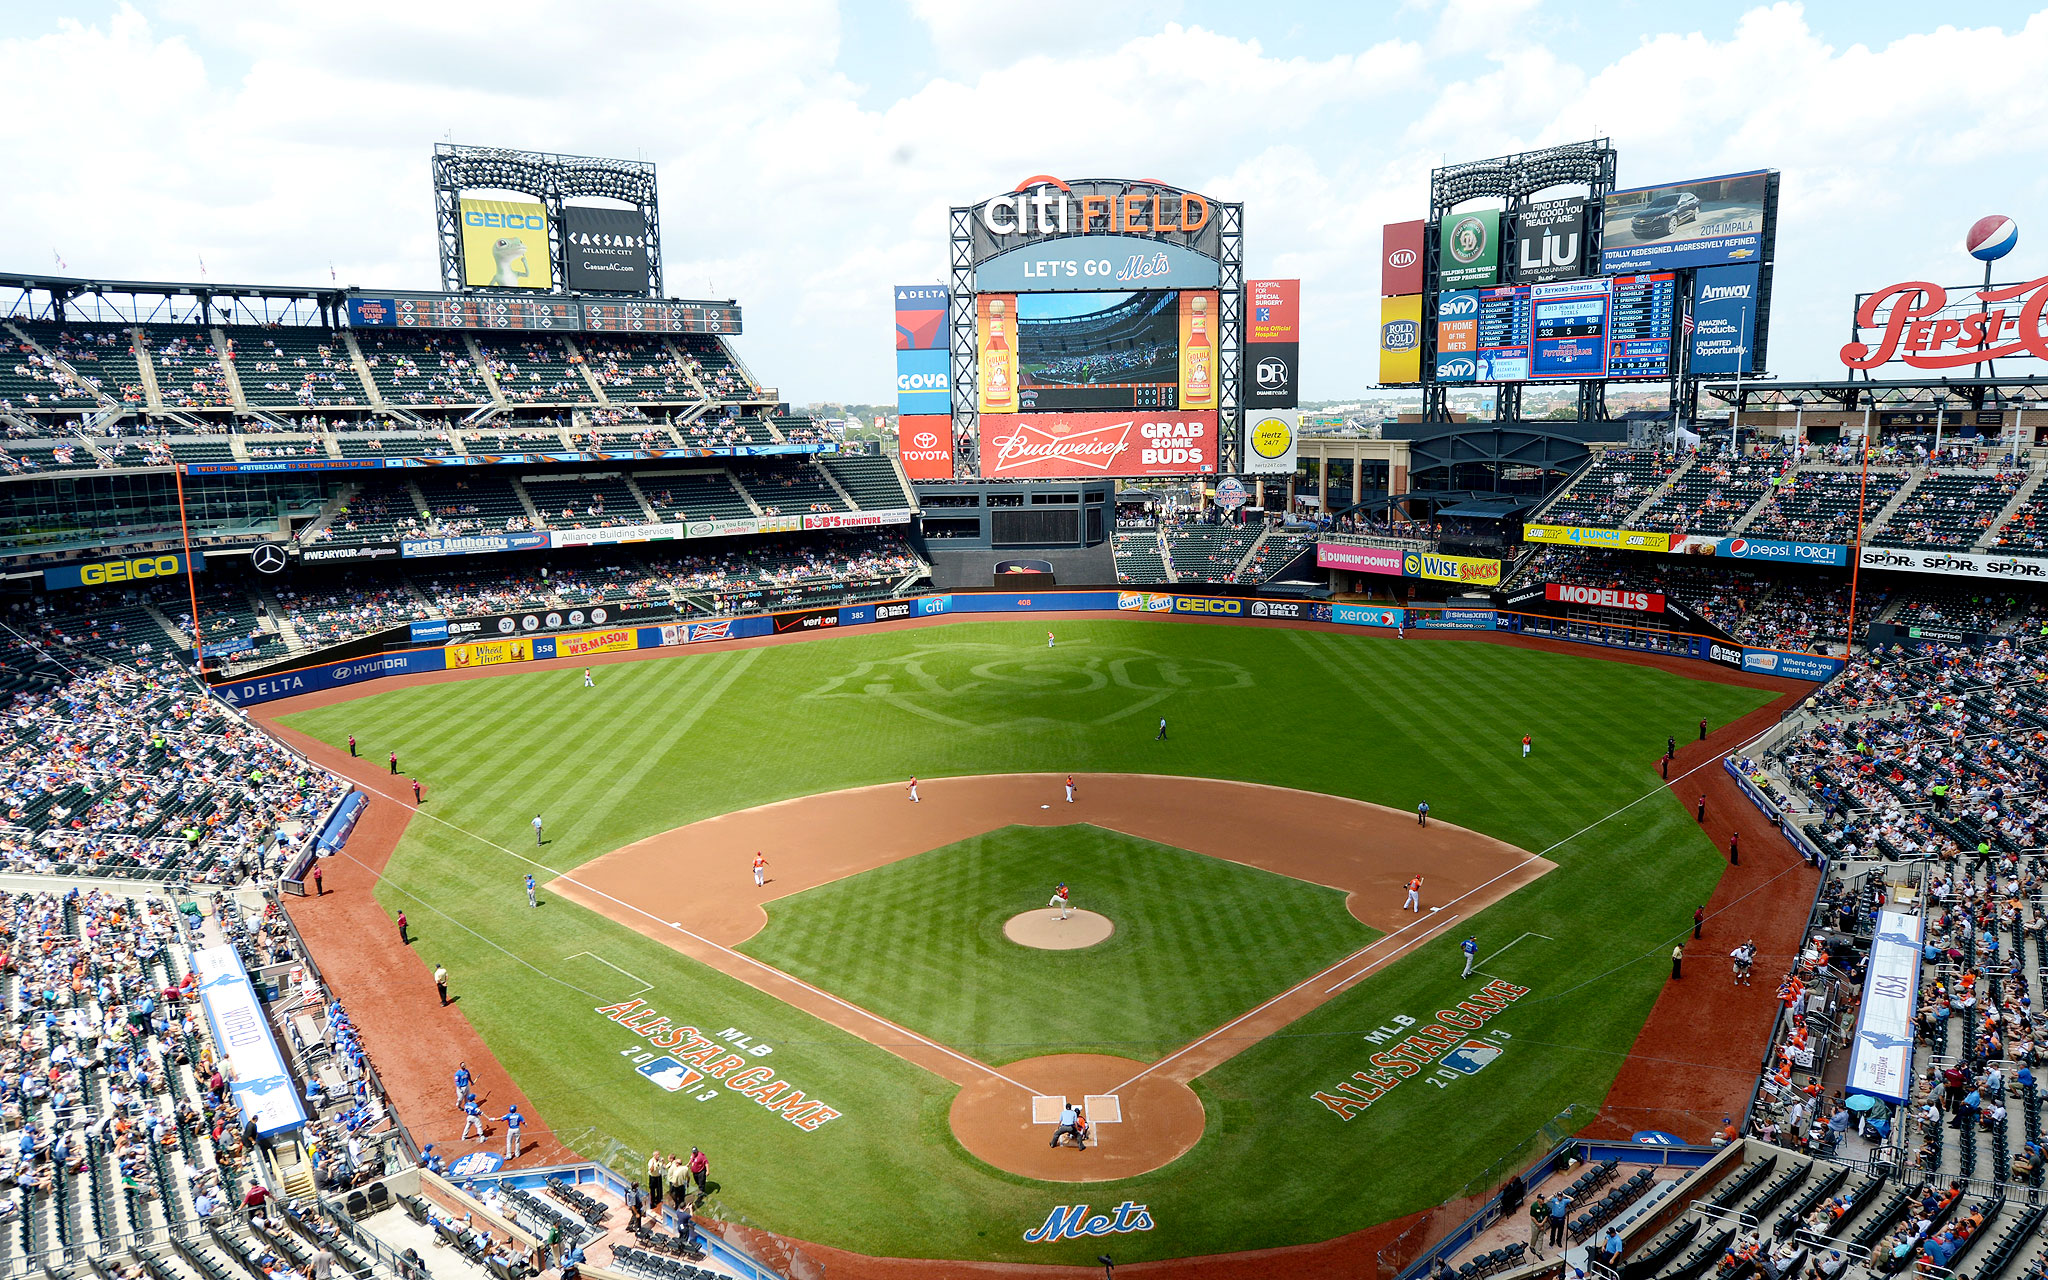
x=1045 y=930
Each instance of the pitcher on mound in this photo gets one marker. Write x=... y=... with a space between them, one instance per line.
x=1059 y=899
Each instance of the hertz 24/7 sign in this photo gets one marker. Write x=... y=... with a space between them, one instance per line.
x=107 y=573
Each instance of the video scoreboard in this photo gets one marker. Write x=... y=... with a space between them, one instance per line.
x=528 y=313
x=1605 y=327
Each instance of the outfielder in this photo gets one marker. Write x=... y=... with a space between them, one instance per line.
x=1525 y=746
x=1414 y=902
x=1048 y=639
x=588 y=683
x=1059 y=899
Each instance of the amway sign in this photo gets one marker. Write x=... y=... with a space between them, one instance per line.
x=1604 y=597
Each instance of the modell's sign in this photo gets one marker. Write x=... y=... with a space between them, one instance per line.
x=1075 y=445
x=1917 y=323
x=1604 y=597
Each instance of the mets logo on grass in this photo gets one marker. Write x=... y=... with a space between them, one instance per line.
x=1074 y=1222
x=699 y=1066
x=1447 y=1050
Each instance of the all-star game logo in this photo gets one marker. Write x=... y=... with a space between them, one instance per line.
x=1442 y=1052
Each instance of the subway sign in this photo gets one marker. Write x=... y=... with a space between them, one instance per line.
x=107 y=573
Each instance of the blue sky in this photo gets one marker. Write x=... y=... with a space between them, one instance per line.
x=808 y=150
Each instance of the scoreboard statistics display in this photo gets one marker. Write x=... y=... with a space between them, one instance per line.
x=1606 y=327
x=488 y=311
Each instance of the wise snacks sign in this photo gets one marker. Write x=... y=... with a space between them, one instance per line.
x=1448 y=1049
x=700 y=1065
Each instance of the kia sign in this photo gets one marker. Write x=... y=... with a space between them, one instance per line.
x=1401 y=258
x=1066 y=446
x=1604 y=597
x=1927 y=326
x=1550 y=240
x=924 y=445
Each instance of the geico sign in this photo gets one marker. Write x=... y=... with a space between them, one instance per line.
x=509 y=221
x=1207 y=604
x=1917 y=333
x=135 y=570
x=1044 y=206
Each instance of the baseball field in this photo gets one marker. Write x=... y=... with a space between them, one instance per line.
x=1276 y=1052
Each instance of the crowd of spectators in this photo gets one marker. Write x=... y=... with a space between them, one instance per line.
x=1764 y=611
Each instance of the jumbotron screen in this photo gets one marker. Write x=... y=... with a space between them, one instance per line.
x=1098 y=350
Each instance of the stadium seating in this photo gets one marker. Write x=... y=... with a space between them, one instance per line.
x=188 y=368
x=1951 y=510
x=1951 y=610
x=32 y=382
x=1273 y=555
x=1209 y=552
x=637 y=370
x=1709 y=498
x=1139 y=558
x=423 y=369
x=534 y=370
x=472 y=502
x=1820 y=505
x=788 y=489
x=394 y=445
x=584 y=502
x=20 y=457
x=103 y=356
x=294 y=367
x=1614 y=484
x=694 y=495
x=720 y=373
x=869 y=480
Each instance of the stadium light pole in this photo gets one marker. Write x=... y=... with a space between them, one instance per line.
x=1856 y=551
x=191 y=586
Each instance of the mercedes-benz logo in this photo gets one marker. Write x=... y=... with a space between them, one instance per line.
x=269 y=558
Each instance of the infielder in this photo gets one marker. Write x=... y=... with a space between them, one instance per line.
x=1070 y=788
x=531 y=900
x=1470 y=946
x=1414 y=902
x=588 y=683
x=913 y=791
x=760 y=870
x=1059 y=899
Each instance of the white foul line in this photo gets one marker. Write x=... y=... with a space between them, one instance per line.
x=1546 y=937
x=645 y=985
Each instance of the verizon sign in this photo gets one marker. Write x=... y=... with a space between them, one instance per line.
x=1604 y=597
x=1082 y=445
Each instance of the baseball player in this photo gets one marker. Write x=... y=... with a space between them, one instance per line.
x=512 y=1120
x=472 y=1117
x=1525 y=746
x=1470 y=946
x=1070 y=788
x=588 y=683
x=913 y=791
x=1059 y=899
x=1048 y=640
x=1414 y=901
x=760 y=869
x=461 y=1083
x=531 y=900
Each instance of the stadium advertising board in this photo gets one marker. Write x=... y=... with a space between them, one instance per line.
x=489 y=653
x=531 y=621
x=1451 y=619
x=1603 y=597
x=1771 y=549
x=1401 y=340
x=1619 y=327
x=1401 y=246
x=924 y=445
x=1359 y=615
x=578 y=643
x=1468 y=249
x=1199 y=319
x=806 y=620
x=1969 y=564
x=505 y=245
x=1270 y=441
x=1929 y=326
x=471 y=544
x=1099 y=262
x=1290 y=610
x=262 y=1086
x=1798 y=666
x=1616 y=539
x=1702 y=223
x=920 y=317
x=995 y=352
x=1073 y=445
x=1550 y=240
x=1272 y=351
x=330 y=675
x=101 y=573
x=1881 y=1051
x=1144 y=602
x=1473 y=571
x=1725 y=303
x=924 y=383
x=1339 y=555
x=605 y=250
x=1078 y=213
x=1457 y=335
x=326 y=554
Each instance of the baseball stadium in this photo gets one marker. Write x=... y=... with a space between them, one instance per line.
x=495 y=790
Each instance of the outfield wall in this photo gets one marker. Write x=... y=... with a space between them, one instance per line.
x=506 y=650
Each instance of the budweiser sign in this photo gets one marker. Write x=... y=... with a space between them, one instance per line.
x=1078 y=445
x=1604 y=597
x=1917 y=324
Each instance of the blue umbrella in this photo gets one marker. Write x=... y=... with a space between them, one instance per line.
x=1861 y=1102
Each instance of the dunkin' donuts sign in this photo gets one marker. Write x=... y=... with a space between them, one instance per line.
x=1081 y=445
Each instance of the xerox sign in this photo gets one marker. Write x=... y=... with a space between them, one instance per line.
x=1077 y=445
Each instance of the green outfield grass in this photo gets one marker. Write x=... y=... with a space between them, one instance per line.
x=661 y=743
x=1198 y=941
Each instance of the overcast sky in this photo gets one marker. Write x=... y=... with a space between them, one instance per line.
x=808 y=151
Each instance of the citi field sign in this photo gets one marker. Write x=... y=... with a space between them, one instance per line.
x=1044 y=207
x=1924 y=325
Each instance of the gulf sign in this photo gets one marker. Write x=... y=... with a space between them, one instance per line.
x=1077 y=445
x=101 y=573
x=1337 y=555
x=1604 y=597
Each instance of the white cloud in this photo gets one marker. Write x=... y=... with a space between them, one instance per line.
x=275 y=139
